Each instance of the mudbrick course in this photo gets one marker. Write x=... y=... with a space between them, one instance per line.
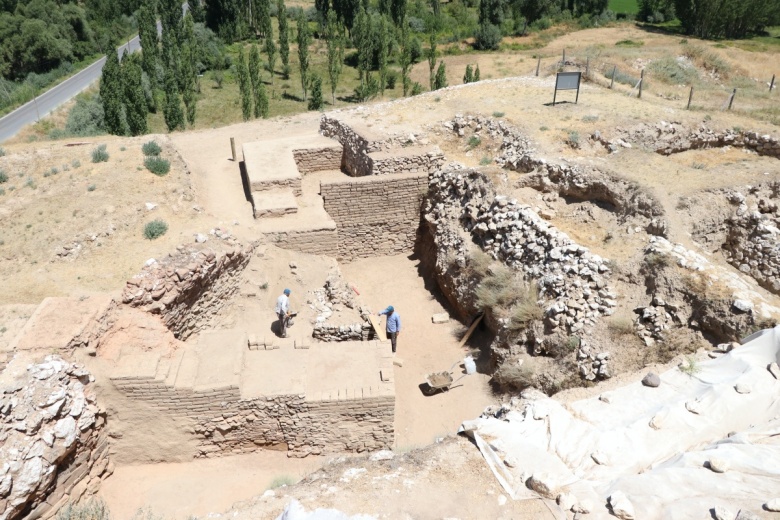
x=52 y=445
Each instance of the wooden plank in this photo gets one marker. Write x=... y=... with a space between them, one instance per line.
x=380 y=331
x=471 y=329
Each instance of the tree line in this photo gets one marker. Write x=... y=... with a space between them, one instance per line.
x=714 y=19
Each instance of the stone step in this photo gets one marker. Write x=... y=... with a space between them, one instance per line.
x=274 y=203
x=221 y=355
x=188 y=369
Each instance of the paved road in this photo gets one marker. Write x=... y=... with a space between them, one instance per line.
x=31 y=112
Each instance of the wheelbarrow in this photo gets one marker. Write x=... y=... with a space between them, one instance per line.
x=441 y=381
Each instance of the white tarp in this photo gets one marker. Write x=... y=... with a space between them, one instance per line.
x=653 y=444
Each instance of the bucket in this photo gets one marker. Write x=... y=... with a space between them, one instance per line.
x=470 y=365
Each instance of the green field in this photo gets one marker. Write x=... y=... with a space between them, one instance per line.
x=624 y=6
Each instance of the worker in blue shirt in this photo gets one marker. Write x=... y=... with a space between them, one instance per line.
x=393 y=324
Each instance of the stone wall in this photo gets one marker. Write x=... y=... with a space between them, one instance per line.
x=355 y=161
x=753 y=241
x=372 y=155
x=53 y=448
x=353 y=332
x=353 y=420
x=375 y=215
x=188 y=288
x=311 y=160
x=323 y=241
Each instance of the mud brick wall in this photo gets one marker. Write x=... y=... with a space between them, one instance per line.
x=53 y=446
x=375 y=215
x=304 y=427
x=179 y=402
x=188 y=288
x=316 y=241
x=318 y=159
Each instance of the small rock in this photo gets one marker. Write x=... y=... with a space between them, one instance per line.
x=510 y=462
x=721 y=513
x=773 y=505
x=150 y=206
x=743 y=305
x=621 y=506
x=742 y=388
x=501 y=500
x=746 y=515
x=442 y=317
x=583 y=506
x=543 y=484
x=652 y=380
x=382 y=455
x=200 y=238
x=566 y=501
x=718 y=465
x=774 y=370
x=293 y=265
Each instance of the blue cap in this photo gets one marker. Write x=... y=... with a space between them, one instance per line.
x=287 y=292
x=390 y=308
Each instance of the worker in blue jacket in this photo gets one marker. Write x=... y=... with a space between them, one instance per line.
x=393 y=324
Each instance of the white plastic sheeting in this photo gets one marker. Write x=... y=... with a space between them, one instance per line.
x=295 y=511
x=652 y=444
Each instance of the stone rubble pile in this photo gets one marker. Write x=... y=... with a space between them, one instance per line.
x=335 y=296
x=516 y=153
x=573 y=280
x=187 y=289
x=753 y=241
x=592 y=364
x=655 y=319
x=667 y=138
x=73 y=249
x=52 y=446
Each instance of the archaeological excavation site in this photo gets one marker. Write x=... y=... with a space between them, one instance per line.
x=611 y=266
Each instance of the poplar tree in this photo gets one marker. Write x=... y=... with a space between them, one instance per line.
x=135 y=100
x=304 y=39
x=254 y=76
x=188 y=67
x=432 y=55
x=440 y=81
x=335 y=32
x=111 y=93
x=405 y=59
x=316 y=102
x=270 y=50
x=244 y=86
x=398 y=12
x=150 y=55
x=468 y=77
x=197 y=11
x=476 y=73
x=261 y=9
x=383 y=48
x=361 y=37
x=174 y=117
x=284 y=38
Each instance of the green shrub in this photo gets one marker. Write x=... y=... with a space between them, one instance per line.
x=671 y=71
x=30 y=183
x=157 y=165
x=474 y=141
x=91 y=187
x=100 y=154
x=498 y=114
x=573 y=139
x=151 y=148
x=3 y=176
x=629 y=43
x=416 y=88
x=497 y=288
x=95 y=509
x=487 y=38
x=75 y=163
x=283 y=480
x=154 y=229
x=485 y=161
x=620 y=326
x=86 y=117
x=527 y=308
x=391 y=79
x=2 y=151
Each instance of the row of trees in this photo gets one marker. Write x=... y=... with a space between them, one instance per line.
x=714 y=18
x=37 y=36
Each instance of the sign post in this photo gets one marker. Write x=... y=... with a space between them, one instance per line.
x=567 y=81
